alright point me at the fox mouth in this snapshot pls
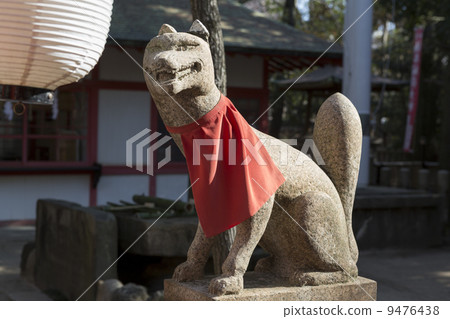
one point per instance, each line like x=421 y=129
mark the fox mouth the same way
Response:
x=167 y=75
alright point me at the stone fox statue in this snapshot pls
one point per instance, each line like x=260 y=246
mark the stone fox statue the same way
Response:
x=306 y=225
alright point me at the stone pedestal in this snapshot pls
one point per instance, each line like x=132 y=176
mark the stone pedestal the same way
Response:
x=263 y=287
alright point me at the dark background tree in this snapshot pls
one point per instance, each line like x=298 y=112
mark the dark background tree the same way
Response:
x=207 y=11
x=288 y=12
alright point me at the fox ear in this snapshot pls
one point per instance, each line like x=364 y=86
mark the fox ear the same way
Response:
x=197 y=28
x=166 y=28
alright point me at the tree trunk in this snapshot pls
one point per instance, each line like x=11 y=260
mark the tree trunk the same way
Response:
x=277 y=109
x=207 y=11
x=288 y=12
x=221 y=248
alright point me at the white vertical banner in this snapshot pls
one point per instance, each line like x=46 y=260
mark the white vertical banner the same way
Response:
x=414 y=89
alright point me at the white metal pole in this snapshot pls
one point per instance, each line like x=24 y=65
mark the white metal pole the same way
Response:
x=356 y=83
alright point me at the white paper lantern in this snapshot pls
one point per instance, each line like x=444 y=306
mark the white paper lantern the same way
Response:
x=49 y=43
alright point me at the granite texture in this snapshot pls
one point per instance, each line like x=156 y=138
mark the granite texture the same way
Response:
x=74 y=245
x=306 y=224
x=114 y=290
x=261 y=287
x=169 y=237
x=106 y=288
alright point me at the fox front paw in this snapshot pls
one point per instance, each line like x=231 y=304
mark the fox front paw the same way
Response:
x=188 y=271
x=226 y=285
x=303 y=279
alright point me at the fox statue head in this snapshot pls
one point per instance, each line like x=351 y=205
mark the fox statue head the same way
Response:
x=179 y=61
x=179 y=73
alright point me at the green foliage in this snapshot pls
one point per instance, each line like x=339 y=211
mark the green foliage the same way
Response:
x=326 y=19
x=276 y=9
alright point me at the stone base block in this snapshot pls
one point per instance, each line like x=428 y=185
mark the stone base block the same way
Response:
x=263 y=287
x=170 y=237
x=74 y=245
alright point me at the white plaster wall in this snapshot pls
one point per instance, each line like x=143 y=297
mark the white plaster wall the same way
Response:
x=116 y=65
x=19 y=194
x=121 y=187
x=121 y=115
x=245 y=71
x=171 y=186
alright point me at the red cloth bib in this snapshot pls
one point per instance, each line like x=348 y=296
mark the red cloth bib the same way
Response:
x=227 y=157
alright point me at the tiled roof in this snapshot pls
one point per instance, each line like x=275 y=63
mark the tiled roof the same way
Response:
x=244 y=30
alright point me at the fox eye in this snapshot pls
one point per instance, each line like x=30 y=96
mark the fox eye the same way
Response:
x=155 y=48
x=185 y=47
